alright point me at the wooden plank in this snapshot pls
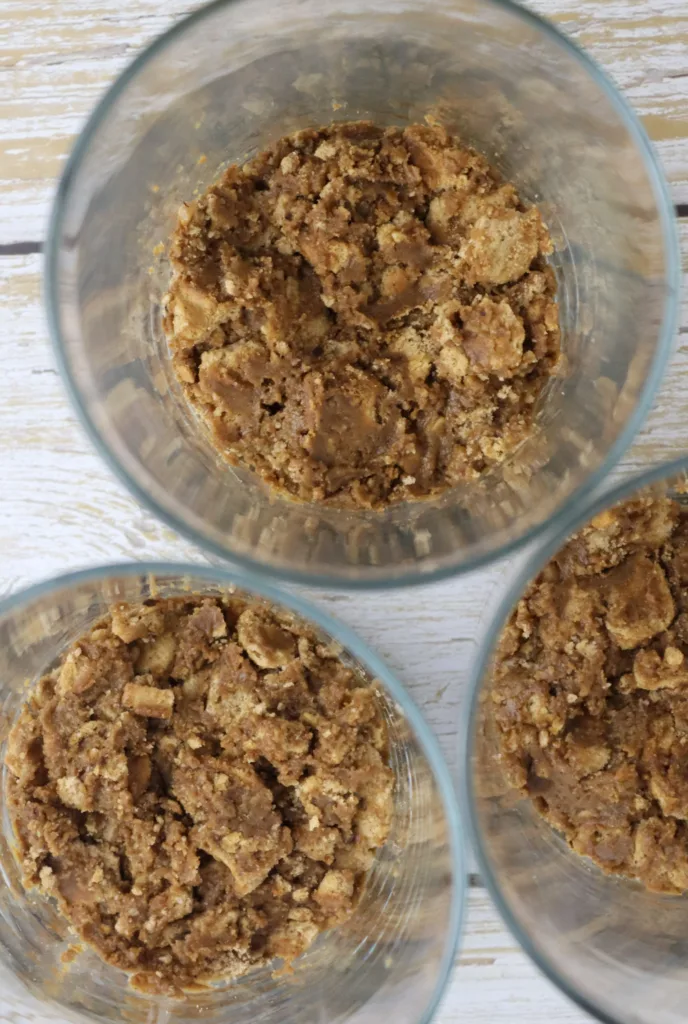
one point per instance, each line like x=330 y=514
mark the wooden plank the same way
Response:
x=665 y=433
x=56 y=59
x=643 y=46
x=495 y=983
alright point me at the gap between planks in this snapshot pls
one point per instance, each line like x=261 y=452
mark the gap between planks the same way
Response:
x=28 y=248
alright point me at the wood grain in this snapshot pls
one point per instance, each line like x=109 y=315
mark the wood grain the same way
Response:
x=57 y=58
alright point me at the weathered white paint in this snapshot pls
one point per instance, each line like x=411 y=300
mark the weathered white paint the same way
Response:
x=59 y=506
x=57 y=57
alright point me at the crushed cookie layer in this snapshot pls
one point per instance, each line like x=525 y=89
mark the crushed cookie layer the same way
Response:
x=201 y=785
x=362 y=315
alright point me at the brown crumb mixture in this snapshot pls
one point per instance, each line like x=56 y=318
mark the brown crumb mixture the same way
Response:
x=363 y=315
x=201 y=785
x=590 y=692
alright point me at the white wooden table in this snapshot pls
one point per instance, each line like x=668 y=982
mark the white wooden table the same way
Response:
x=59 y=506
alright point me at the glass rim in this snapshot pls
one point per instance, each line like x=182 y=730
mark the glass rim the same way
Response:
x=351 y=642
x=413 y=574
x=527 y=572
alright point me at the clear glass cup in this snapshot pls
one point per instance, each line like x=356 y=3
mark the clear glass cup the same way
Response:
x=237 y=75
x=391 y=959
x=616 y=949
